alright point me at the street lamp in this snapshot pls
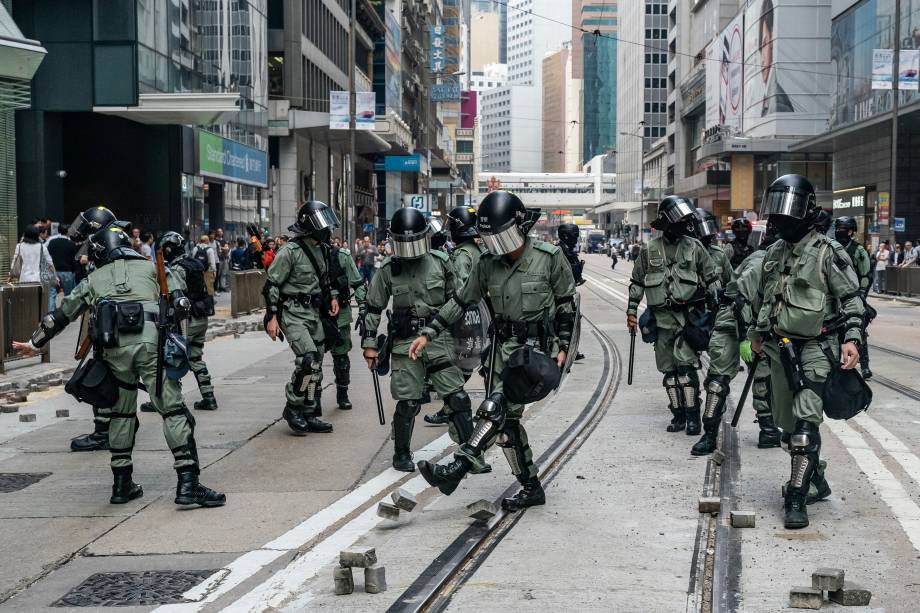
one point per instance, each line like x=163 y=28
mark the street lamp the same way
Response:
x=641 y=179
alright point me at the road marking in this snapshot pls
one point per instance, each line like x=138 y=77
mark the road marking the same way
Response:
x=605 y=288
x=892 y=444
x=250 y=563
x=889 y=488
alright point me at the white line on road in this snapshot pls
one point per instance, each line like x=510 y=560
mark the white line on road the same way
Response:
x=892 y=444
x=250 y=563
x=885 y=483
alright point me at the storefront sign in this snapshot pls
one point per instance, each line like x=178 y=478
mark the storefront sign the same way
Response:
x=437 y=49
x=900 y=225
x=847 y=199
x=445 y=92
x=223 y=158
x=402 y=163
x=421 y=202
x=883 y=200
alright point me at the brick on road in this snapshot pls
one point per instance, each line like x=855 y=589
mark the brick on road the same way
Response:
x=482 y=510
x=388 y=511
x=27 y=417
x=805 y=598
x=743 y=519
x=403 y=499
x=709 y=504
x=344 y=580
x=851 y=595
x=827 y=579
x=358 y=557
x=375 y=579
x=9 y=407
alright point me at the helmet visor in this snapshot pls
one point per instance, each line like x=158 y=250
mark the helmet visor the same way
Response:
x=414 y=247
x=707 y=227
x=321 y=219
x=678 y=211
x=508 y=240
x=790 y=202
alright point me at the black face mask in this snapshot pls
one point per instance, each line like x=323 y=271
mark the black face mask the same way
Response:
x=707 y=240
x=324 y=235
x=843 y=237
x=790 y=229
x=676 y=230
x=742 y=236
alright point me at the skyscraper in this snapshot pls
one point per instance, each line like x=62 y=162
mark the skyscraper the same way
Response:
x=594 y=60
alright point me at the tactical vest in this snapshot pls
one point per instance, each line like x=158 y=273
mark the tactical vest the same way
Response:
x=414 y=292
x=795 y=289
x=671 y=283
x=195 y=289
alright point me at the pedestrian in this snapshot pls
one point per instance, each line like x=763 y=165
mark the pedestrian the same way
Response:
x=222 y=248
x=146 y=240
x=812 y=325
x=239 y=259
x=897 y=256
x=634 y=251
x=64 y=256
x=124 y=279
x=296 y=301
x=910 y=255
x=881 y=263
x=32 y=263
x=419 y=280
x=366 y=259
x=738 y=249
x=205 y=254
x=534 y=317
x=679 y=282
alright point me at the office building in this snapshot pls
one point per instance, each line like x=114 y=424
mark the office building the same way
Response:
x=594 y=64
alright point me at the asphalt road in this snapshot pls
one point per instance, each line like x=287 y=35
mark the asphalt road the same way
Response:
x=620 y=531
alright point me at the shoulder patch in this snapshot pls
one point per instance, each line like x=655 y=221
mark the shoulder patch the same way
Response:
x=440 y=255
x=546 y=247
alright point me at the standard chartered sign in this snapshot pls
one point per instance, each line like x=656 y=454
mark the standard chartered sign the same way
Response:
x=223 y=158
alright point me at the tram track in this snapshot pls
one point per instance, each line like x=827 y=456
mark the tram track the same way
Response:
x=434 y=588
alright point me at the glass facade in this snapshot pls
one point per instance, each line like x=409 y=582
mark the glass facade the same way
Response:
x=600 y=98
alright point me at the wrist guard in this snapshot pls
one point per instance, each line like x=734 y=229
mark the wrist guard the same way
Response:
x=48 y=328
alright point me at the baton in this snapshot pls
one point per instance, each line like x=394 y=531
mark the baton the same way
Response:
x=744 y=392
x=632 y=354
x=380 y=414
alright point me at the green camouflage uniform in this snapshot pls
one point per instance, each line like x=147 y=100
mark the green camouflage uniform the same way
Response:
x=134 y=360
x=862 y=264
x=530 y=289
x=722 y=264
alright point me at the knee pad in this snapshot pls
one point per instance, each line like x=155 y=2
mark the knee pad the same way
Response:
x=805 y=438
x=459 y=402
x=408 y=409
x=672 y=386
x=689 y=383
x=491 y=419
x=717 y=388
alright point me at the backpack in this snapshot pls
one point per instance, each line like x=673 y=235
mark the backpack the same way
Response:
x=201 y=254
x=196 y=290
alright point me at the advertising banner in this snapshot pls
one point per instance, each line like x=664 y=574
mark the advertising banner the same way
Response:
x=338 y=111
x=402 y=163
x=223 y=158
x=882 y=67
x=392 y=56
x=725 y=64
x=365 y=115
x=908 y=69
x=883 y=208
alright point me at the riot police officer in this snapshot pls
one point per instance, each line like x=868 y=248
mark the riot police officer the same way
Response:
x=461 y=224
x=810 y=319
x=531 y=289
x=85 y=225
x=419 y=280
x=706 y=230
x=187 y=275
x=680 y=283
x=568 y=238
x=738 y=248
x=348 y=281
x=298 y=294
x=124 y=292
x=740 y=303
x=844 y=232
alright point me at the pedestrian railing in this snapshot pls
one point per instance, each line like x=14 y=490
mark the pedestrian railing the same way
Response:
x=246 y=291
x=21 y=308
x=902 y=281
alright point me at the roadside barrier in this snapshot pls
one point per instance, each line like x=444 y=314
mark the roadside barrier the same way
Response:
x=21 y=308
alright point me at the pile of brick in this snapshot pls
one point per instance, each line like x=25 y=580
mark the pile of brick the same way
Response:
x=830 y=580
x=375 y=577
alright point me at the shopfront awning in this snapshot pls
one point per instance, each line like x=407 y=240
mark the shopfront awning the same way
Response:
x=316 y=126
x=202 y=109
x=19 y=59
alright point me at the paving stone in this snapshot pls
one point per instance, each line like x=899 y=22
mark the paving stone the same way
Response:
x=236 y=335
x=827 y=579
x=482 y=510
x=27 y=417
x=39 y=387
x=743 y=519
x=6 y=386
x=388 y=511
x=19 y=397
x=62 y=413
x=375 y=579
x=710 y=504
x=805 y=598
x=851 y=595
x=403 y=499
x=344 y=580
x=55 y=381
x=9 y=407
x=718 y=457
x=358 y=557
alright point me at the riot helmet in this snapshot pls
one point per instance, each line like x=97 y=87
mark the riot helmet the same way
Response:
x=843 y=226
x=791 y=206
x=706 y=226
x=461 y=222
x=110 y=244
x=742 y=229
x=438 y=233
x=171 y=245
x=316 y=220
x=823 y=221
x=90 y=221
x=568 y=234
x=410 y=233
x=501 y=222
x=675 y=217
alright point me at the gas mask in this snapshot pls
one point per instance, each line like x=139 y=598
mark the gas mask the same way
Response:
x=842 y=237
x=790 y=229
x=678 y=229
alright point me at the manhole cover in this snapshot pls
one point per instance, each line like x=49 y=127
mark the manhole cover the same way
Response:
x=150 y=587
x=13 y=482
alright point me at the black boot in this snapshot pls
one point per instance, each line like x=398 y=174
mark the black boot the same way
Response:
x=148 y=407
x=866 y=373
x=403 y=424
x=693 y=422
x=296 y=420
x=317 y=425
x=341 y=397
x=531 y=495
x=820 y=489
x=709 y=440
x=207 y=403
x=769 y=434
x=190 y=491
x=678 y=422
x=437 y=419
x=124 y=489
x=445 y=477
x=97 y=440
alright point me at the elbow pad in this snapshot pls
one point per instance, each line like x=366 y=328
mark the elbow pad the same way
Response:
x=48 y=328
x=270 y=306
x=181 y=306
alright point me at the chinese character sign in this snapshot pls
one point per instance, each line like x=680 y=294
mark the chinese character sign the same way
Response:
x=437 y=49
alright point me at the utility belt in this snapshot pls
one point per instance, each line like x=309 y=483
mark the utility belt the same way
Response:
x=404 y=324
x=306 y=300
x=522 y=331
x=113 y=318
x=674 y=305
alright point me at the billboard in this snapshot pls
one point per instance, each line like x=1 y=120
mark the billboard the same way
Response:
x=725 y=77
x=787 y=72
x=393 y=56
x=222 y=158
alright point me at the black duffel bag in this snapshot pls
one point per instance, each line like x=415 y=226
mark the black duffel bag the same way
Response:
x=529 y=376
x=846 y=394
x=93 y=383
x=648 y=326
x=699 y=327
